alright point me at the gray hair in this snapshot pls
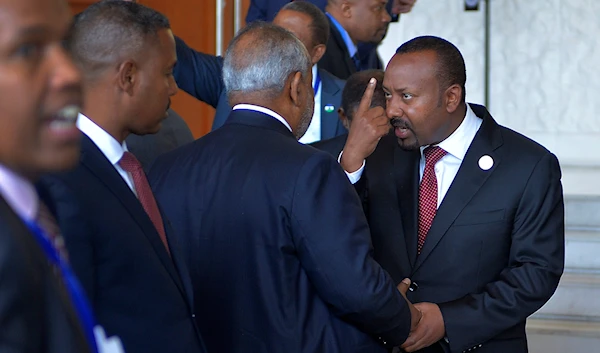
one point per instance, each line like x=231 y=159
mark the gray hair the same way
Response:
x=266 y=62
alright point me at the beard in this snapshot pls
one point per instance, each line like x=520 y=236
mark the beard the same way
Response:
x=410 y=142
x=305 y=120
x=407 y=145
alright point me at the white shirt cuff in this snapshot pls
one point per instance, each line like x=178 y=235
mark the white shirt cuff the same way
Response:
x=355 y=176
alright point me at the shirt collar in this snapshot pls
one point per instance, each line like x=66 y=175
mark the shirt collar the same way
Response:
x=109 y=146
x=19 y=193
x=352 y=48
x=263 y=110
x=459 y=141
x=314 y=75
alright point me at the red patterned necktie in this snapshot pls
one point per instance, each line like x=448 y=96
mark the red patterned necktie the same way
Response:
x=428 y=192
x=130 y=164
x=47 y=222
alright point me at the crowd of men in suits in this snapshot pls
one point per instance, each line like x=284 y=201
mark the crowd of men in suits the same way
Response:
x=413 y=223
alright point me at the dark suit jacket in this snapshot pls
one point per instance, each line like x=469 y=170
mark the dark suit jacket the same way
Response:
x=495 y=251
x=277 y=244
x=331 y=96
x=36 y=313
x=336 y=59
x=265 y=10
x=138 y=293
x=173 y=133
x=333 y=146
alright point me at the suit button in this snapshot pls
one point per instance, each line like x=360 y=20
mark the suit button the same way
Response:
x=413 y=286
x=479 y=346
x=194 y=316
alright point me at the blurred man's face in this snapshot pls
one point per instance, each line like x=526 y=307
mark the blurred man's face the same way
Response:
x=369 y=20
x=299 y=24
x=40 y=88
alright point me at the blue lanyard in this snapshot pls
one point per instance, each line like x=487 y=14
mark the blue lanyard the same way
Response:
x=78 y=297
x=317 y=82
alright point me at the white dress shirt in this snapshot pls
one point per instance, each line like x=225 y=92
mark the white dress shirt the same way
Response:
x=109 y=146
x=313 y=133
x=264 y=110
x=456 y=146
x=19 y=193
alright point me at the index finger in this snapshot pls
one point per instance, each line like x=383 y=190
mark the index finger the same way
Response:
x=365 y=101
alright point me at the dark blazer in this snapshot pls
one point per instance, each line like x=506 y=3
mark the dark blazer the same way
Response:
x=35 y=308
x=331 y=96
x=277 y=244
x=266 y=10
x=333 y=146
x=336 y=59
x=495 y=251
x=138 y=293
x=173 y=133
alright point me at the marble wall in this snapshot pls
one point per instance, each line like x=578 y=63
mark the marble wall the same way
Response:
x=545 y=65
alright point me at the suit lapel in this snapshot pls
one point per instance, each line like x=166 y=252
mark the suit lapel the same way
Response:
x=468 y=181
x=329 y=116
x=339 y=41
x=96 y=162
x=406 y=170
x=176 y=255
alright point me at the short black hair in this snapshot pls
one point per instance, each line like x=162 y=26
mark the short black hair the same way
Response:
x=108 y=30
x=355 y=88
x=451 y=65
x=319 y=24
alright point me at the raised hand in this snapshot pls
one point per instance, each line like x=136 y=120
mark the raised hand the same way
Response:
x=402 y=6
x=368 y=127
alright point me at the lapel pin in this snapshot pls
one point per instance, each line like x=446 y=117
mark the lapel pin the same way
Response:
x=486 y=162
x=329 y=108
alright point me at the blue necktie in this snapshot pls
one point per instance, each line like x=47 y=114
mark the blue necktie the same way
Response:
x=356 y=60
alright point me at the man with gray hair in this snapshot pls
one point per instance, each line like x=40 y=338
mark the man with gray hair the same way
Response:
x=277 y=242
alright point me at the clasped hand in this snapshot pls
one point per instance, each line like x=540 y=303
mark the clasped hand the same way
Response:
x=427 y=323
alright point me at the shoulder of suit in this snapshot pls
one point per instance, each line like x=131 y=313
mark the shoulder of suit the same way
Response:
x=521 y=143
x=327 y=76
x=513 y=142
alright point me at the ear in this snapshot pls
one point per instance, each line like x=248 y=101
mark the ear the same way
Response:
x=346 y=8
x=318 y=52
x=453 y=97
x=127 y=76
x=343 y=118
x=295 y=84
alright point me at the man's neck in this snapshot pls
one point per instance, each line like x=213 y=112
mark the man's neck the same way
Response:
x=341 y=20
x=107 y=122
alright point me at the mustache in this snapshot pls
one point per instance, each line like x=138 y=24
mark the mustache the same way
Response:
x=397 y=122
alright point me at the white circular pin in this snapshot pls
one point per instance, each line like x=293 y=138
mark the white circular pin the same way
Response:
x=486 y=162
